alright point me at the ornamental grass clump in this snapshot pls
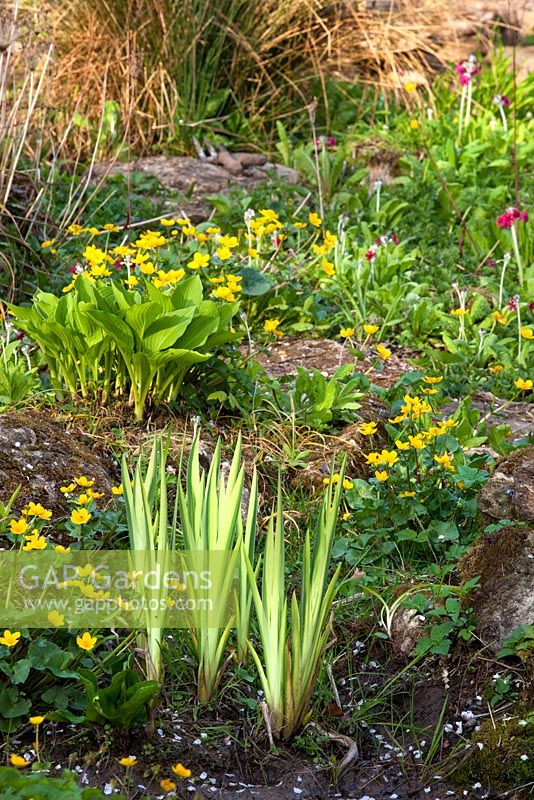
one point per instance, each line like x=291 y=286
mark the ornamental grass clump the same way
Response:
x=102 y=339
x=292 y=645
x=211 y=519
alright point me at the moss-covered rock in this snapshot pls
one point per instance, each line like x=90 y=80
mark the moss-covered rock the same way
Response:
x=503 y=754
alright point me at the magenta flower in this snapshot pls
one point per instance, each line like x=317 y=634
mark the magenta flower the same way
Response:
x=467 y=69
x=501 y=100
x=513 y=303
x=511 y=214
x=371 y=253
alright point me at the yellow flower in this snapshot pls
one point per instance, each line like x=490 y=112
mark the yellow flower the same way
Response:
x=367 y=428
x=181 y=771
x=84 y=481
x=86 y=641
x=83 y=499
x=48 y=243
x=199 y=260
x=224 y=253
x=346 y=333
x=36 y=720
x=147 y=268
x=417 y=441
x=299 y=225
x=410 y=87
x=128 y=761
x=445 y=461
x=383 y=352
x=224 y=293
x=167 y=222
x=459 y=312
x=80 y=516
x=36 y=510
x=74 y=229
x=10 y=638
x=55 y=618
x=271 y=326
x=117 y=489
x=111 y=227
x=212 y=231
x=328 y=267
x=414 y=124
x=430 y=391
x=18 y=761
x=315 y=219
x=373 y=459
x=66 y=489
x=252 y=252
x=167 y=785
x=347 y=484
x=429 y=379
x=400 y=445
x=345 y=516
x=94 y=495
x=34 y=541
x=334 y=479
x=527 y=333
x=381 y=475
x=228 y=241
x=389 y=457
x=60 y=549
x=370 y=329
x=407 y=494
x=397 y=419
x=523 y=384
x=150 y=239
x=500 y=318
x=496 y=369
x=18 y=526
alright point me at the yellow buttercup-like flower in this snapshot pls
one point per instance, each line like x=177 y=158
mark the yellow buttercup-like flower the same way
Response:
x=381 y=475
x=407 y=494
x=199 y=260
x=84 y=481
x=36 y=720
x=383 y=352
x=128 y=761
x=18 y=526
x=370 y=329
x=66 y=489
x=80 y=516
x=410 y=87
x=526 y=333
x=18 y=761
x=181 y=771
x=117 y=490
x=523 y=384
x=367 y=428
x=459 y=312
x=431 y=380
x=346 y=333
x=224 y=253
x=167 y=785
x=315 y=219
x=10 y=638
x=86 y=641
x=36 y=510
x=55 y=618
x=271 y=326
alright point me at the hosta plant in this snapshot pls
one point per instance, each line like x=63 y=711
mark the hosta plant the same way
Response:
x=103 y=338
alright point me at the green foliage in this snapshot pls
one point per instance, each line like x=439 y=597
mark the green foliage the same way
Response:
x=18 y=377
x=37 y=786
x=103 y=338
x=123 y=702
x=290 y=656
x=520 y=643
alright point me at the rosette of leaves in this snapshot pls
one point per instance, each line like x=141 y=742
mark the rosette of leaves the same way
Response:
x=102 y=339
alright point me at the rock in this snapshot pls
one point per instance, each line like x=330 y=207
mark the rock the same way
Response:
x=509 y=492
x=505 y=598
x=40 y=456
x=196 y=178
x=407 y=628
x=518 y=416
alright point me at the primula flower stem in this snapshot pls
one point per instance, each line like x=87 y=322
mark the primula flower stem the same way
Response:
x=461 y=112
x=515 y=244
x=469 y=101
x=505 y=262
x=519 y=337
x=503 y=117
